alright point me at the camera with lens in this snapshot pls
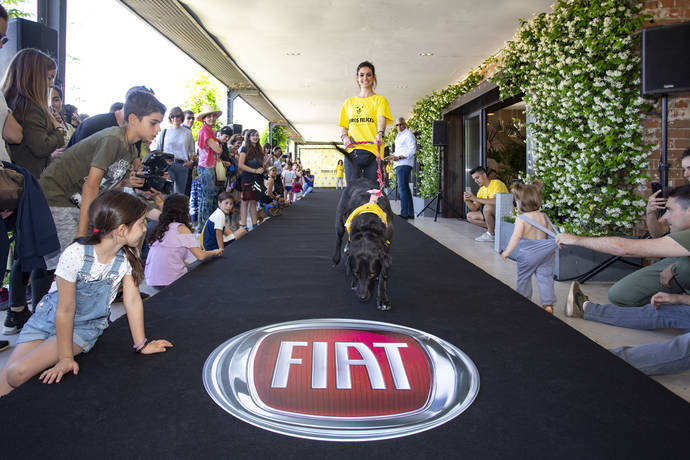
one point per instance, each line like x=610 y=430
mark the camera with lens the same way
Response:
x=155 y=165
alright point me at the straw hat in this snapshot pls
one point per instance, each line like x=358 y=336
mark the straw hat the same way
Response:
x=208 y=110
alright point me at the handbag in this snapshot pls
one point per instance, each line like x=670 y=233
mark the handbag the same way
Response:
x=220 y=171
x=259 y=189
x=11 y=188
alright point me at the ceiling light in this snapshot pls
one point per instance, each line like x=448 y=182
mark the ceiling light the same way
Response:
x=426 y=54
x=402 y=86
x=293 y=53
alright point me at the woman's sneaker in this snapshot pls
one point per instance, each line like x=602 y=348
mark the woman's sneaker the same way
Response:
x=485 y=237
x=15 y=320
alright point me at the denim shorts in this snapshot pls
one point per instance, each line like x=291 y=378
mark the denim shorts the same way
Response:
x=41 y=326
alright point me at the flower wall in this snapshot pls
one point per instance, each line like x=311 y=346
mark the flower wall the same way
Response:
x=579 y=68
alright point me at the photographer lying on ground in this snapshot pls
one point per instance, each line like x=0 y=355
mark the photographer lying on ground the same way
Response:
x=668 y=307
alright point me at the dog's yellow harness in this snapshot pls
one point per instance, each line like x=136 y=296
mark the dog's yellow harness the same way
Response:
x=367 y=208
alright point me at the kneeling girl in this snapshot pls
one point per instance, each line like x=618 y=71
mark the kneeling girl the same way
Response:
x=75 y=312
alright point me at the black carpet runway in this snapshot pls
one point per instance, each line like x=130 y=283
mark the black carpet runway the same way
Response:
x=546 y=390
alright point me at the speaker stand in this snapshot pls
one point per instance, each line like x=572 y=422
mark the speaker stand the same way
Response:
x=663 y=158
x=439 y=195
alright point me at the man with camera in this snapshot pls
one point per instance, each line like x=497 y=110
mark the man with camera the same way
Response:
x=667 y=302
x=637 y=288
x=100 y=162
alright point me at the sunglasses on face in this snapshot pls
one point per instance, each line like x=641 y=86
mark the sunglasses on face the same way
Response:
x=4 y=39
x=177 y=117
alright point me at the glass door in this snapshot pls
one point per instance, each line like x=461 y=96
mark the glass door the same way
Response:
x=472 y=149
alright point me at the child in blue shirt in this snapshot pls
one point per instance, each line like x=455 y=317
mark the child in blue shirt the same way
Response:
x=216 y=233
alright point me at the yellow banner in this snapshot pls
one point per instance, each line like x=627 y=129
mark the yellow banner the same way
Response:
x=321 y=160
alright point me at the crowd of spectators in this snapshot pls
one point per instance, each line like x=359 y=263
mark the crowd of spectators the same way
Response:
x=214 y=189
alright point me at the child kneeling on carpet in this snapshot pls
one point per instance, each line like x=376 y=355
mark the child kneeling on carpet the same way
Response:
x=535 y=236
x=75 y=312
x=172 y=243
x=216 y=233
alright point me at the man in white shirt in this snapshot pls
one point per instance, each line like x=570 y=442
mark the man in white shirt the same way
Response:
x=405 y=148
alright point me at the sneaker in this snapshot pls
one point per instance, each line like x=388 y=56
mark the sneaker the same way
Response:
x=485 y=237
x=14 y=322
x=574 y=304
x=4 y=345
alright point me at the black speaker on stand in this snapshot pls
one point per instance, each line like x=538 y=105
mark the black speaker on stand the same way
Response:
x=665 y=69
x=439 y=138
x=22 y=33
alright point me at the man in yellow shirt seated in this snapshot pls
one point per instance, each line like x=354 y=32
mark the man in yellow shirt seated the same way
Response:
x=483 y=205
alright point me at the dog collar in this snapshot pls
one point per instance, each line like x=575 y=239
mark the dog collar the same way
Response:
x=367 y=208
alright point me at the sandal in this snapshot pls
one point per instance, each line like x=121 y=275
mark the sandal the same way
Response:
x=548 y=309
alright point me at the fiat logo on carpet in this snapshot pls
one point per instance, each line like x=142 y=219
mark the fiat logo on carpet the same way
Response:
x=341 y=379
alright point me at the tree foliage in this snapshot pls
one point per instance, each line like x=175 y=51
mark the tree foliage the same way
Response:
x=202 y=93
x=280 y=138
x=15 y=8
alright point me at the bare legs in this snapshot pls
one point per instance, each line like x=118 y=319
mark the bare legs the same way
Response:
x=485 y=218
x=252 y=212
x=27 y=360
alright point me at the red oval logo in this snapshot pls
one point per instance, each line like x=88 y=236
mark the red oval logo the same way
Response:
x=341 y=379
x=341 y=373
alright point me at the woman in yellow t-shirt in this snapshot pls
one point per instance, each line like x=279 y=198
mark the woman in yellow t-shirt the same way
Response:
x=363 y=118
x=339 y=175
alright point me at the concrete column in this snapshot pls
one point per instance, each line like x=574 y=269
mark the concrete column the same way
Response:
x=53 y=13
x=232 y=95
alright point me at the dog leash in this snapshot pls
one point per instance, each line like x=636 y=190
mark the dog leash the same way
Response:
x=378 y=160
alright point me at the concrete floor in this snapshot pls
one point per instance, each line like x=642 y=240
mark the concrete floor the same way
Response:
x=458 y=236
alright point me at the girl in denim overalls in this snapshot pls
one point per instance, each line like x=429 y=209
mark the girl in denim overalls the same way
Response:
x=71 y=317
x=535 y=236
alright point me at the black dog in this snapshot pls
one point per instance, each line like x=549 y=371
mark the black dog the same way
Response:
x=367 y=253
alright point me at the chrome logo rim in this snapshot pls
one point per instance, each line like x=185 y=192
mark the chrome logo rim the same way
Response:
x=229 y=378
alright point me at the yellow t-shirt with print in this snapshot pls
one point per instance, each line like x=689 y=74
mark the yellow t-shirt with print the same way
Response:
x=360 y=114
x=495 y=186
x=340 y=171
